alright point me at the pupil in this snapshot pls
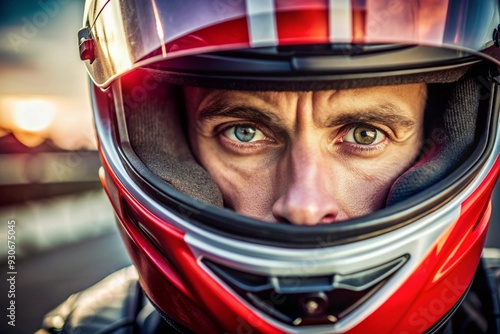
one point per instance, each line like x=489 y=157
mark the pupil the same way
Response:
x=244 y=133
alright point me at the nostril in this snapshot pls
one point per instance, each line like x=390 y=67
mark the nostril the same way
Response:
x=282 y=220
x=327 y=219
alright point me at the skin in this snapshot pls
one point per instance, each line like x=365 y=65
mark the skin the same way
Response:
x=306 y=158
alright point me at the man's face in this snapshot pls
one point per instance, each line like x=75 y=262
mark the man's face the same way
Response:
x=306 y=158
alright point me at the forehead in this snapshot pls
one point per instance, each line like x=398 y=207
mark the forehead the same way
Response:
x=406 y=99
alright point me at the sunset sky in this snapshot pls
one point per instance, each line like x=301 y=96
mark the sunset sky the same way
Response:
x=43 y=84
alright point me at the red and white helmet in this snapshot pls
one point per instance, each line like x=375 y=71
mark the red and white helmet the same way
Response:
x=402 y=269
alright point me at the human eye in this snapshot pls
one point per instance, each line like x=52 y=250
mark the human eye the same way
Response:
x=244 y=133
x=364 y=135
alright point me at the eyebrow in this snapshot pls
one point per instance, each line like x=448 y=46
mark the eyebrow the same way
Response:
x=386 y=113
x=225 y=109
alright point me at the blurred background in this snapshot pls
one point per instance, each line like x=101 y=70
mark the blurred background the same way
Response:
x=65 y=234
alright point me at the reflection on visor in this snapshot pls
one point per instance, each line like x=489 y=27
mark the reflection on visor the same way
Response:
x=125 y=33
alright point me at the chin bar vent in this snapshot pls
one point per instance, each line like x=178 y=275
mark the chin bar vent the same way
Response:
x=307 y=300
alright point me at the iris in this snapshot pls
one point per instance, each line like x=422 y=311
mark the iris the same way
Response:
x=244 y=133
x=365 y=135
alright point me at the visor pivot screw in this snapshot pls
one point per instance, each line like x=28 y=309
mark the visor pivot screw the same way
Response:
x=496 y=36
x=86 y=45
x=312 y=306
x=315 y=304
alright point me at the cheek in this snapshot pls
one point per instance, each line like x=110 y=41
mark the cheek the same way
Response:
x=246 y=183
x=362 y=192
x=367 y=183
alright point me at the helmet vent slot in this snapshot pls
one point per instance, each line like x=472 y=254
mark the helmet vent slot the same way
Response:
x=307 y=300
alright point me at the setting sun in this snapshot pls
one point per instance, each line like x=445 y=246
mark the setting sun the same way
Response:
x=33 y=115
x=36 y=118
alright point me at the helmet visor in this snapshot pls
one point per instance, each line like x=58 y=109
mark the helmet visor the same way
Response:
x=127 y=34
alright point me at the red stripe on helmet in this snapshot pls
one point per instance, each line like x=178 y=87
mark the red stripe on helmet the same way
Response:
x=227 y=34
x=301 y=22
x=358 y=21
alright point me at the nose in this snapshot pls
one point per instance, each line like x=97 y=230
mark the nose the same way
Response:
x=307 y=197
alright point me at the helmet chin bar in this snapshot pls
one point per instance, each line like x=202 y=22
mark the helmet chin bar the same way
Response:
x=311 y=300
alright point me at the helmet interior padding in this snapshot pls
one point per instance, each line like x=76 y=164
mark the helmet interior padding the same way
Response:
x=157 y=136
x=451 y=116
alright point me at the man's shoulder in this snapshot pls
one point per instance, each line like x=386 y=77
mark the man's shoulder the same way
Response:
x=107 y=304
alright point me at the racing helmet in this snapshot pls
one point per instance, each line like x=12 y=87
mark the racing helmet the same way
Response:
x=209 y=269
